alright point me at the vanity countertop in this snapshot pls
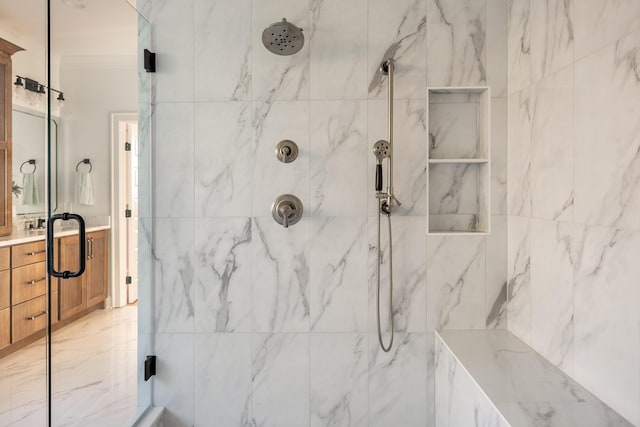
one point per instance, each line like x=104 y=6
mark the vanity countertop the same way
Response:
x=28 y=236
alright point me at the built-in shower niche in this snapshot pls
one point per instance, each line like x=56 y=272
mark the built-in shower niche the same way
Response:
x=459 y=164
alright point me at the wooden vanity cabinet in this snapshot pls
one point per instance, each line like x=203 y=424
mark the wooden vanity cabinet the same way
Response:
x=6 y=94
x=90 y=289
x=97 y=273
x=5 y=297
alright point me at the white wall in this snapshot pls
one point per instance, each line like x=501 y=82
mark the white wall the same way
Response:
x=94 y=87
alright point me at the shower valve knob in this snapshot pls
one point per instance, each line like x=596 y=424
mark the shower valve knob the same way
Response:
x=286 y=210
x=286 y=151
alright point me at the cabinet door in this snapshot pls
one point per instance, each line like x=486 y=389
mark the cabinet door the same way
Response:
x=97 y=267
x=72 y=292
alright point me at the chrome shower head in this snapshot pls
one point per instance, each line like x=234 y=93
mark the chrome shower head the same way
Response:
x=382 y=150
x=283 y=38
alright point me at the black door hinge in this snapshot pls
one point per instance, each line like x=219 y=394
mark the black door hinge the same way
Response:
x=127 y=280
x=127 y=146
x=127 y=213
x=149 y=61
x=149 y=367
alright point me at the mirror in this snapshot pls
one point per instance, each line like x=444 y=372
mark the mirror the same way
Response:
x=28 y=178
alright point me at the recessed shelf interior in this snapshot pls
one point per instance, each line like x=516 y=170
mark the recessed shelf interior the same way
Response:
x=458 y=160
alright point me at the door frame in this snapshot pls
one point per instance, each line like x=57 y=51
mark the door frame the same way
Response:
x=117 y=268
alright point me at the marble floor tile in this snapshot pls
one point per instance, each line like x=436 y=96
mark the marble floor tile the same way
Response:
x=93 y=374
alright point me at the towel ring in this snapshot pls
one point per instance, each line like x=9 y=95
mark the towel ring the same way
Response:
x=87 y=162
x=31 y=162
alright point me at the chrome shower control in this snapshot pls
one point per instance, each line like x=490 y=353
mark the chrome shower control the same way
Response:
x=287 y=210
x=286 y=151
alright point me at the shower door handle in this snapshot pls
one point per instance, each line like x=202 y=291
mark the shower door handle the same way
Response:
x=81 y=249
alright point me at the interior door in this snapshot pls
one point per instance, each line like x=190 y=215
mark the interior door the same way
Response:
x=132 y=205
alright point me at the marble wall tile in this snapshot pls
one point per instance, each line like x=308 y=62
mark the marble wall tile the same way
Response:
x=275 y=77
x=456 y=285
x=173 y=160
x=496 y=274
x=174 y=275
x=146 y=265
x=552 y=148
x=222 y=372
x=456 y=43
x=222 y=159
x=338 y=58
x=455 y=190
x=607 y=87
x=280 y=276
x=338 y=158
x=339 y=379
x=607 y=343
x=499 y=156
x=497 y=47
x=173 y=383
x=600 y=22
x=519 y=277
x=338 y=275
x=398 y=381
x=280 y=379
x=552 y=36
x=223 y=275
x=410 y=151
x=397 y=30
x=553 y=259
x=520 y=113
x=272 y=178
x=453 y=130
x=409 y=274
x=518 y=45
x=222 y=59
x=173 y=42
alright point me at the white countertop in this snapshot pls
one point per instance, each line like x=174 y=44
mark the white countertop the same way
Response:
x=28 y=236
x=523 y=386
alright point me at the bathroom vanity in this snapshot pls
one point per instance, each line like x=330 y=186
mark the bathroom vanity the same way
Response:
x=23 y=303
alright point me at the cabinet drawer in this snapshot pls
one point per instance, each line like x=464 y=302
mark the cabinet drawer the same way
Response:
x=28 y=253
x=5 y=327
x=5 y=288
x=28 y=282
x=5 y=258
x=28 y=318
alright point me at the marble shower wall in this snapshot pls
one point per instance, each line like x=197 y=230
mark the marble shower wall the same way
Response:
x=574 y=199
x=258 y=325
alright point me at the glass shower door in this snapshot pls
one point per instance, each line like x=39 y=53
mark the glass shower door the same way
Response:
x=94 y=364
x=23 y=286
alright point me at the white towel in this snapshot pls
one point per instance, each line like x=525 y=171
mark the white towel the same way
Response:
x=29 y=189
x=84 y=188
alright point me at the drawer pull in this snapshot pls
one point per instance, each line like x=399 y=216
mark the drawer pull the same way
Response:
x=35 y=316
x=36 y=253
x=33 y=282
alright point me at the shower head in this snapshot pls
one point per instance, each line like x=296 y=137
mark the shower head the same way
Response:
x=382 y=150
x=283 y=38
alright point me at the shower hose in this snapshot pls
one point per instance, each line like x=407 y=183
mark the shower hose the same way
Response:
x=378 y=262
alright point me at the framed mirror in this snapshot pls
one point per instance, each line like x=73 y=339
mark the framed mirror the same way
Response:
x=29 y=159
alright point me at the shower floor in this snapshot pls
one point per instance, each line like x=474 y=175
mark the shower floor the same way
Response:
x=94 y=374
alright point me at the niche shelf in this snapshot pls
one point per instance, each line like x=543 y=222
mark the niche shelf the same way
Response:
x=458 y=160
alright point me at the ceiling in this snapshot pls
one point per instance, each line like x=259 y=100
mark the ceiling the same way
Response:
x=103 y=27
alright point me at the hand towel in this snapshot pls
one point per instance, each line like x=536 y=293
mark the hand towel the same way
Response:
x=29 y=189
x=84 y=188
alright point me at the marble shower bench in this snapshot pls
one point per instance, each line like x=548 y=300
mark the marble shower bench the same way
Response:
x=492 y=379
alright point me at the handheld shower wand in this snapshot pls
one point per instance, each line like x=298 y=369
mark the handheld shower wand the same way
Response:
x=384 y=149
